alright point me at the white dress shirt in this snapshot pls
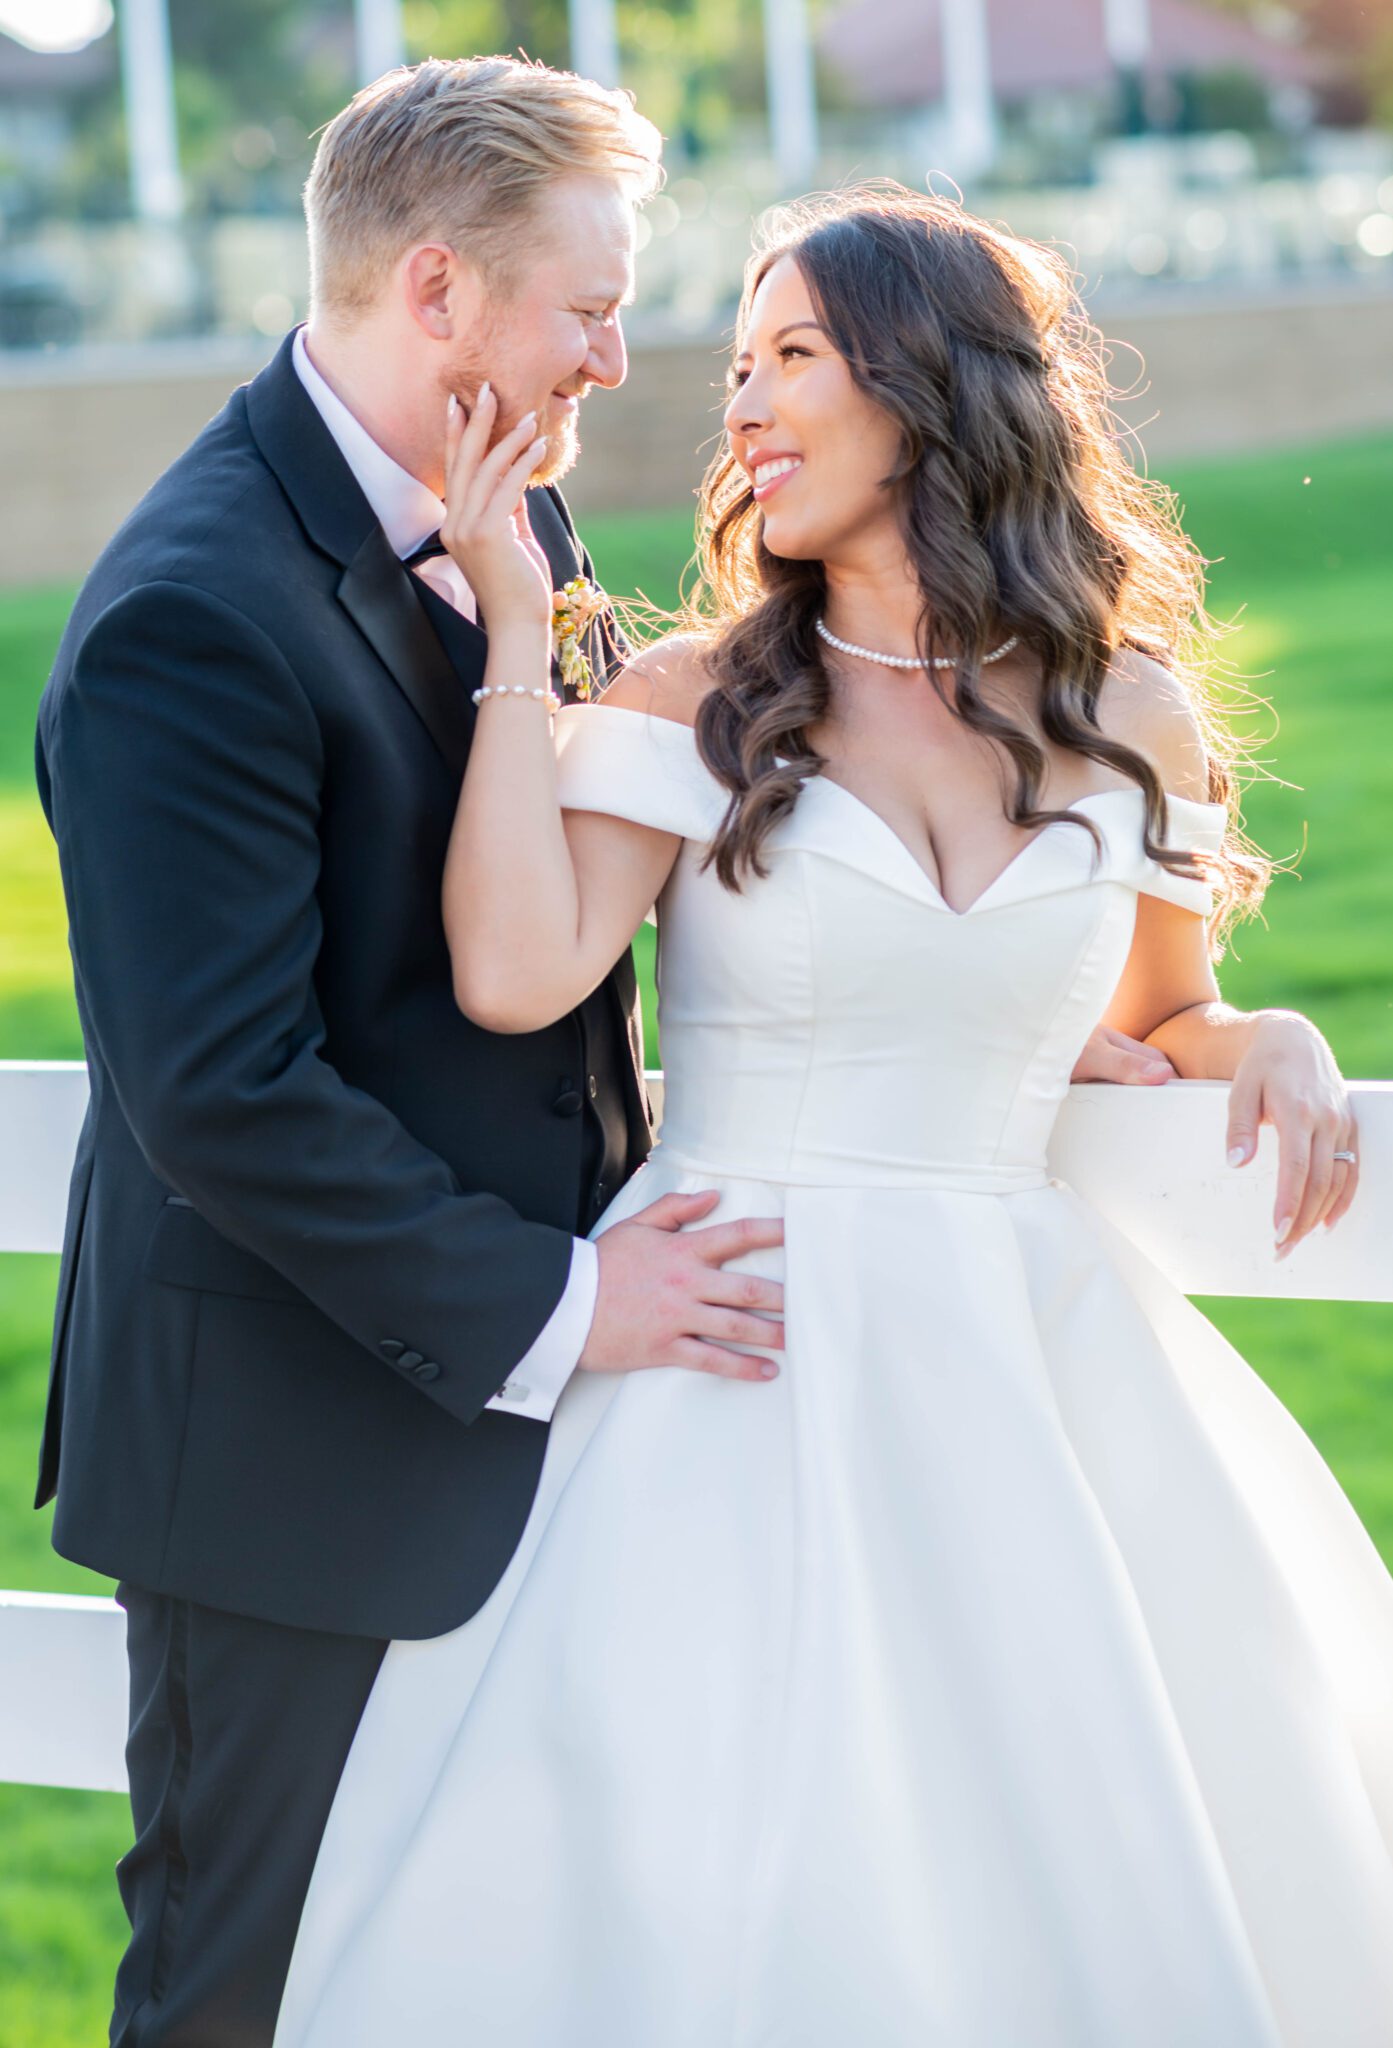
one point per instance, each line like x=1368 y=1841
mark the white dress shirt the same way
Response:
x=410 y=513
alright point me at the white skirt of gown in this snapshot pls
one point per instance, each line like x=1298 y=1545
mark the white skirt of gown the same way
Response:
x=1010 y=1672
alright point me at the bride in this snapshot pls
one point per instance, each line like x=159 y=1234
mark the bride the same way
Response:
x=1003 y=1668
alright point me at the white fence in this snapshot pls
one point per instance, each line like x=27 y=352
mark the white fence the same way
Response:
x=1152 y=1159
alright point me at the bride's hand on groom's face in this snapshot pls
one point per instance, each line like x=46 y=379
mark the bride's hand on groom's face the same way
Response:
x=666 y=1299
x=486 y=527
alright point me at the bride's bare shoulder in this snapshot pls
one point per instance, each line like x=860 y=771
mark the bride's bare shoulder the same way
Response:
x=1146 y=706
x=667 y=679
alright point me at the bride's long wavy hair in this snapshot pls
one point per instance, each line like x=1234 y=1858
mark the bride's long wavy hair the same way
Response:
x=1020 y=510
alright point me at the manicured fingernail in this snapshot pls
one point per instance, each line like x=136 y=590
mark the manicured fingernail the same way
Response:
x=769 y=1371
x=1283 y=1228
x=1237 y=1154
x=452 y=408
x=485 y=391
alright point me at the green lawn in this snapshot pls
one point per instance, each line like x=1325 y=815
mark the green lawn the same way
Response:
x=1304 y=536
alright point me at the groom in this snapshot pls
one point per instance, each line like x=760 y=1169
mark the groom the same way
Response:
x=325 y=1270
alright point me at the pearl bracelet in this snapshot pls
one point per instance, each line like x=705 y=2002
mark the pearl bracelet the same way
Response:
x=547 y=697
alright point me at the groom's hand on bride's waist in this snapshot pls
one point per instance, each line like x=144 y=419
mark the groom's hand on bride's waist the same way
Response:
x=665 y=1297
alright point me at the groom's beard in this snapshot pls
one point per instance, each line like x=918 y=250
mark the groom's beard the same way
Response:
x=560 y=454
x=562 y=451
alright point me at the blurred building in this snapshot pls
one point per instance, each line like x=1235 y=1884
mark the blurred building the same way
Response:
x=42 y=96
x=1220 y=223
x=890 y=53
x=43 y=102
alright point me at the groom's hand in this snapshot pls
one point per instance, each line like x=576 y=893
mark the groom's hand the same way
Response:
x=666 y=1299
x=1113 y=1056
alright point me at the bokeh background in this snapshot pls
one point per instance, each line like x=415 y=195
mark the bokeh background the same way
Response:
x=1221 y=172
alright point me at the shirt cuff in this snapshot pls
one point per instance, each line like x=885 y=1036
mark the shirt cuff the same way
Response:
x=533 y=1387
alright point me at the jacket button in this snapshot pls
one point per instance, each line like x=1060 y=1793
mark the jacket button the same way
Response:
x=568 y=1101
x=426 y=1370
x=410 y=1360
x=391 y=1347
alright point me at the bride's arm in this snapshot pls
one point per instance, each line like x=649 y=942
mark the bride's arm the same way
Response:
x=1283 y=1072
x=537 y=906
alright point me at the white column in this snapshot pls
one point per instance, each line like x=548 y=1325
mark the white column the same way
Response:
x=594 y=41
x=381 y=46
x=147 y=84
x=1127 y=31
x=792 y=91
x=969 y=109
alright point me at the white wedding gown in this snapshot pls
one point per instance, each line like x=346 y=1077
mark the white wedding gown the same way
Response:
x=1010 y=1672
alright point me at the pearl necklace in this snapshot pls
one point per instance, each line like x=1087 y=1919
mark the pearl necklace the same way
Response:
x=911 y=660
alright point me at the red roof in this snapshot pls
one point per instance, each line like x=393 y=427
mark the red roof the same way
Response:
x=889 y=51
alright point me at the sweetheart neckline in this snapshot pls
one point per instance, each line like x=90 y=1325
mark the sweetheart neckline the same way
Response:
x=880 y=824
x=877 y=822
x=883 y=824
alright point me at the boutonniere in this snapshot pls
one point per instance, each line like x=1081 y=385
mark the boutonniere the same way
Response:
x=574 y=611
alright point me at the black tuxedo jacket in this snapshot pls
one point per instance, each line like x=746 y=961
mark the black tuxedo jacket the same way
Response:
x=317 y=1216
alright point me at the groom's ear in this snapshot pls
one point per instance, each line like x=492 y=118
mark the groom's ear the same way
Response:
x=444 y=293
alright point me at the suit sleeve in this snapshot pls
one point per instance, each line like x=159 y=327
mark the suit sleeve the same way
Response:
x=185 y=765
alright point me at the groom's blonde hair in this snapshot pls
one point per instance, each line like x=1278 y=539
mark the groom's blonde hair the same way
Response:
x=459 y=152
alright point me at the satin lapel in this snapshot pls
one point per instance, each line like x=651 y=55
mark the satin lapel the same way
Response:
x=375 y=590
x=556 y=537
x=555 y=541
x=465 y=643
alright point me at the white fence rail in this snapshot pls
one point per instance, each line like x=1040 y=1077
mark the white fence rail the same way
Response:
x=63 y=1691
x=1152 y=1159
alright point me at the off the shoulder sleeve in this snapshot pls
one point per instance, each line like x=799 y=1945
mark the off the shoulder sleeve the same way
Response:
x=629 y=764
x=1191 y=828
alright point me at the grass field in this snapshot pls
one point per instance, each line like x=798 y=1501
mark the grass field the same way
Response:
x=1303 y=536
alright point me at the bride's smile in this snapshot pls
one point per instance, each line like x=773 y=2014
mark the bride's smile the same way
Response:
x=818 y=453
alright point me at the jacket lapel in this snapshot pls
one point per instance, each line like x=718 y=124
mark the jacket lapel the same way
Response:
x=374 y=589
x=433 y=654
x=555 y=540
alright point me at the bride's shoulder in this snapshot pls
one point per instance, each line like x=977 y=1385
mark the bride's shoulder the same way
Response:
x=667 y=679
x=645 y=767
x=1146 y=706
